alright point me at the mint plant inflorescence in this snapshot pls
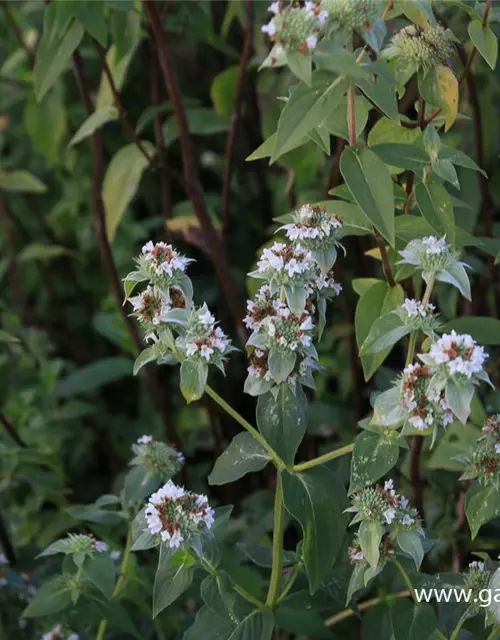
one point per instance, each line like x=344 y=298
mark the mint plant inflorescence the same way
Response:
x=286 y=311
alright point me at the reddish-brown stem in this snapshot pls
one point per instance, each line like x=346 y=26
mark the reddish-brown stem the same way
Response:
x=386 y=265
x=160 y=142
x=235 y=117
x=127 y=125
x=456 y=555
x=335 y=175
x=191 y=178
x=9 y=427
x=105 y=249
x=30 y=55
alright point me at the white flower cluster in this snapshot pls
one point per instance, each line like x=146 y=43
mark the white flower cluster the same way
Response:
x=158 y=457
x=383 y=505
x=284 y=262
x=300 y=281
x=313 y=223
x=150 y=305
x=177 y=515
x=457 y=353
x=162 y=259
x=58 y=633
x=436 y=258
x=296 y=28
x=424 y=405
x=318 y=231
x=415 y=308
x=203 y=339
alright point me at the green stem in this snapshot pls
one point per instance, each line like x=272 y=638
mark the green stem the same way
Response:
x=279 y=520
x=363 y=606
x=103 y=625
x=495 y=633
x=246 y=425
x=240 y=590
x=248 y=596
x=439 y=634
x=290 y=583
x=411 y=348
x=406 y=579
x=413 y=337
x=460 y=623
x=331 y=455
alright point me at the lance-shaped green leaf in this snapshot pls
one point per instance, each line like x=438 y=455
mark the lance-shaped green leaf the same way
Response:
x=331 y=57
x=370 y=537
x=121 y=182
x=382 y=93
x=257 y=625
x=51 y=597
x=95 y=121
x=482 y=504
x=412 y=621
x=375 y=300
x=147 y=355
x=405 y=156
x=435 y=205
x=142 y=538
x=281 y=364
x=456 y=275
x=485 y=41
x=54 y=53
x=244 y=455
x=483 y=330
x=411 y=543
x=388 y=411
x=307 y=108
x=300 y=64
x=445 y=170
x=372 y=457
x=317 y=499
x=139 y=483
x=370 y=183
x=21 y=182
x=172 y=578
x=459 y=398
x=100 y=570
x=282 y=420
x=384 y=333
x=193 y=380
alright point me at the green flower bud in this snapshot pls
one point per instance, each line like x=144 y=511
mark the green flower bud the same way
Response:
x=352 y=15
x=423 y=49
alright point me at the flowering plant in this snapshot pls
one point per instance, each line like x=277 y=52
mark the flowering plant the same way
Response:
x=367 y=348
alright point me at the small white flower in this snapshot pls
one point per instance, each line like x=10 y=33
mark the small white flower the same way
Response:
x=311 y=42
x=389 y=515
x=274 y=8
x=206 y=318
x=322 y=16
x=416 y=308
x=418 y=423
x=407 y=520
x=145 y=440
x=115 y=555
x=270 y=29
x=478 y=566
x=497 y=448
x=434 y=245
x=100 y=547
x=3 y=559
